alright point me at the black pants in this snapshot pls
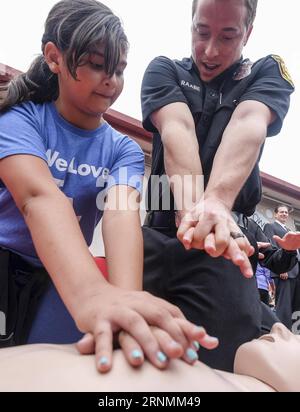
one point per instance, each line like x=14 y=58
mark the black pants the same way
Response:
x=21 y=287
x=287 y=300
x=269 y=318
x=264 y=296
x=211 y=293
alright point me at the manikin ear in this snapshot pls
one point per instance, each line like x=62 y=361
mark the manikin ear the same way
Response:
x=53 y=57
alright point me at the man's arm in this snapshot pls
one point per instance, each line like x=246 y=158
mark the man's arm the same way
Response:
x=176 y=126
x=238 y=151
x=275 y=259
x=235 y=159
x=284 y=259
x=291 y=241
x=279 y=260
x=181 y=151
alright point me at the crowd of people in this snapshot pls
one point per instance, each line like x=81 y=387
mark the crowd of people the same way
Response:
x=284 y=284
x=186 y=278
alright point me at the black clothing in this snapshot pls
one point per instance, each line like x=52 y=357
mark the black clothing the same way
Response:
x=264 y=296
x=211 y=293
x=269 y=318
x=287 y=296
x=287 y=300
x=21 y=287
x=212 y=105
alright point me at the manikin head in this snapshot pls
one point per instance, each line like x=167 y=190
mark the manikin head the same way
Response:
x=220 y=30
x=273 y=359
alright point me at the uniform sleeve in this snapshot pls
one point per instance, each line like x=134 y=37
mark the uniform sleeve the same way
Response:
x=20 y=133
x=273 y=87
x=129 y=166
x=279 y=260
x=160 y=87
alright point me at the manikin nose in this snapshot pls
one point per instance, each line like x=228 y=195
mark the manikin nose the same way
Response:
x=281 y=330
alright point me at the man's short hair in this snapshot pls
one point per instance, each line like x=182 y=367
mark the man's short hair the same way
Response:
x=276 y=210
x=251 y=6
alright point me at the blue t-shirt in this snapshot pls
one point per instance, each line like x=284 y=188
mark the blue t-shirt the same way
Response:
x=263 y=277
x=83 y=163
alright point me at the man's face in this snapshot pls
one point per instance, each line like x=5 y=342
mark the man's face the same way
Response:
x=282 y=215
x=219 y=34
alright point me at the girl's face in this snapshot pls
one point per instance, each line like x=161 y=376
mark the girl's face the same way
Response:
x=83 y=101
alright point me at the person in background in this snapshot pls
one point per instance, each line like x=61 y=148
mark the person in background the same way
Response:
x=265 y=283
x=290 y=241
x=287 y=283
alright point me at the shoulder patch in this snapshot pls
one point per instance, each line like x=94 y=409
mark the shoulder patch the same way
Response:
x=283 y=69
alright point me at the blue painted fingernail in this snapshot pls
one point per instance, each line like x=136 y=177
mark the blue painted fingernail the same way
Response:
x=197 y=345
x=136 y=354
x=103 y=361
x=191 y=354
x=161 y=357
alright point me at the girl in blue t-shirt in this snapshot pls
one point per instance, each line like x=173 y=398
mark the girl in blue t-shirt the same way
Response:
x=59 y=160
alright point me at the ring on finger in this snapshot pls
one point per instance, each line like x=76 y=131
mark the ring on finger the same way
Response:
x=237 y=235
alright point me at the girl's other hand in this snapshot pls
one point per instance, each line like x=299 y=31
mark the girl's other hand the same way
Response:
x=151 y=328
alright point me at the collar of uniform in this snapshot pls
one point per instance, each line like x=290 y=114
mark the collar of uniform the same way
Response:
x=186 y=63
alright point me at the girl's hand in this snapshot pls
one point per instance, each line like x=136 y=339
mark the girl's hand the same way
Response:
x=169 y=349
x=113 y=310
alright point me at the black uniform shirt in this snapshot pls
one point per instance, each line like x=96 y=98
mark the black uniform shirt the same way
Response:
x=212 y=104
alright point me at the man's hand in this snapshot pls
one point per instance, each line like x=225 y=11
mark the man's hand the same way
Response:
x=291 y=241
x=211 y=227
x=284 y=276
x=262 y=245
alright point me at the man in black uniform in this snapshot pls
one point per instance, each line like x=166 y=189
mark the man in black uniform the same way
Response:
x=210 y=115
